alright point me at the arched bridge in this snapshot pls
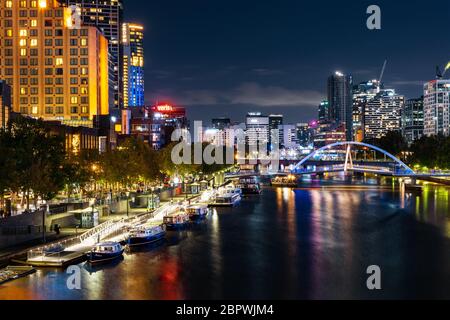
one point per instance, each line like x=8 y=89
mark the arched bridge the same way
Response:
x=393 y=167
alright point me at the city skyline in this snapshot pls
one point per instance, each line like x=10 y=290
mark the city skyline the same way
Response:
x=275 y=60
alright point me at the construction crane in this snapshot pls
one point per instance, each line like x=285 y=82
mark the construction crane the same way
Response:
x=381 y=76
x=447 y=67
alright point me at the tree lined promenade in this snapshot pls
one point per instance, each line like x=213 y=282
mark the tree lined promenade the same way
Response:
x=36 y=168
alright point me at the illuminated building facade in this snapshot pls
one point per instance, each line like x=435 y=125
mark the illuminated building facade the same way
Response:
x=383 y=114
x=56 y=72
x=412 y=119
x=257 y=129
x=5 y=103
x=340 y=102
x=133 y=65
x=154 y=125
x=107 y=16
x=437 y=108
x=362 y=94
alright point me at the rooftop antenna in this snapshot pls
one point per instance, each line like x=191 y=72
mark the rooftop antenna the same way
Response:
x=381 y=76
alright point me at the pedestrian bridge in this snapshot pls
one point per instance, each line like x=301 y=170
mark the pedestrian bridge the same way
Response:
x=390 y=166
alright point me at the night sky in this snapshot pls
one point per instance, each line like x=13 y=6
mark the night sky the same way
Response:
x=226 y=58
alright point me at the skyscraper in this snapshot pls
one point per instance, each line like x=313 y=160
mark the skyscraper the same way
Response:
x=383 y=114
x=257 y=130
x=412 y=119
x=276 y=123
x=107 y=15
x=340 y=102
x=362 y=94
x=56 y=72
x=133 y=65
x=437 y=108
x=324 y=112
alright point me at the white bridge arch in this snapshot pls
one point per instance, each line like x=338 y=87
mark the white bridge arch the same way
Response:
x=348 y=159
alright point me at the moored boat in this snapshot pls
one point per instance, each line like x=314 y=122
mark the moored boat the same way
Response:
x=226 y=200
x=249 y=185
x=176 y=220
x=145 y=234
x=197 y=212
x=289 y=181
x=105 y=252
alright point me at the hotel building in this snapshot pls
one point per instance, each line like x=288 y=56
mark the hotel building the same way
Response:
x=56 y=71
x=107 y=16
x=133 y=65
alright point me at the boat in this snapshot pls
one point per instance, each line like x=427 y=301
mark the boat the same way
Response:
x=197 y=212
x=145 y=234
x=11 y=273
x=249 y=185
x=176 y=220
x=232 y=189
x=226 y=198
x=105 y=252
x=289 y=181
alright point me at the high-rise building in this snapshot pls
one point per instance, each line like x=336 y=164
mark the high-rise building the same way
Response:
x=324 y=111
x=257 y=129
x=412 y=119
x=304 y=134
x=341 y=102
x=107 y=16
x=133 y=64
x=56 y=72
x=362 y=93
x=276 y=123
x=436 y=108
x=5 y=103
x=383 y=114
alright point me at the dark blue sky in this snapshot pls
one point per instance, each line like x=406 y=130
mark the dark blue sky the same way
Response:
x=225 y=58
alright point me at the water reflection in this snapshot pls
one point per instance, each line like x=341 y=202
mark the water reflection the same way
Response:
x=313 y=242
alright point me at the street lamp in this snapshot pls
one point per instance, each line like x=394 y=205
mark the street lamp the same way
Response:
x=128 y=202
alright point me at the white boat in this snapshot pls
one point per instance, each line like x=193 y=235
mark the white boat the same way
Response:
x=197 y=212
x=176 y=220
x=145 y=234
x=227 y=197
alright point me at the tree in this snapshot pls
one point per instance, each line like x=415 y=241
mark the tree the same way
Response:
x=37 y=155
x=393 y=142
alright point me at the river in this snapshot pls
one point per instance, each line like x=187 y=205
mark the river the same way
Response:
x=313 y=242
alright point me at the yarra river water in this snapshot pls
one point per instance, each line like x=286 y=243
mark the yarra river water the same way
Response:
x=314 y=242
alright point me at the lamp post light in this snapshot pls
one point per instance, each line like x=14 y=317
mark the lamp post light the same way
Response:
x=128 y=203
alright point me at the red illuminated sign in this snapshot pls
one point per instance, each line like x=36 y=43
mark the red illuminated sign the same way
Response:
x=164 y=108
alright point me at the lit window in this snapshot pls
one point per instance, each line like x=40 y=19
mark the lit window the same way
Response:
x=74 y=100
x=9 y=33
x=23 y=32
x=9 y=4
x=23 y=42
x=33 y=42
x=34 y=110
x=34 y=23
x=83 y=42
x=34 y=4
x=59 y=61
x=23 y=52
x=43 y=3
